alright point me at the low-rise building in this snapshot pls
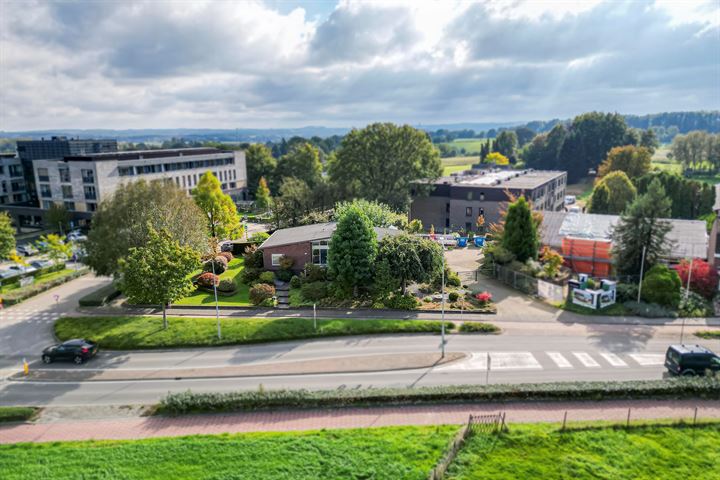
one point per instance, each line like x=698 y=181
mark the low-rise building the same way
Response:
x=455 y=202
x=305 y=244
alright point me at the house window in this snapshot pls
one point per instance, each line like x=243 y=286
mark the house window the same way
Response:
x=469 y=195
x=90 y=193
x=64 y=174
x=67 y=191
x=468 y=211
x=91 y=207
x=43 y=175
x=320 y=252
x=45 y=190
x=88 y=176
x=276 y=259
x=69 y=206
x=482 y=196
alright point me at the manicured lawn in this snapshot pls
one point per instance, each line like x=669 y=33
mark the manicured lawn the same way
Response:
x=39 y=280
x=239 y=298
x=543 y=452
x=16 y=414
x=392 y=453
x=136 y=332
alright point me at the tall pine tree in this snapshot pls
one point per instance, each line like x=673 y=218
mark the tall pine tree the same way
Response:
x=520 y=234
x=352 y=252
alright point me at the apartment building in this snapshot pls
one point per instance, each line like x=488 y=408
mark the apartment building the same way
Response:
x=455 y=202
x=12 y=181
x=79 y=182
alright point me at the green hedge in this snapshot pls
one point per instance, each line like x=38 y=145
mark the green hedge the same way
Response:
x=709 y=334
x=478 y=327
x=187 y=402
x=17 y=414
x=100 y=297
x=16 y=296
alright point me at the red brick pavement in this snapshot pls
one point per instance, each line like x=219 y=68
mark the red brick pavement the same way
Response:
x=147 y=427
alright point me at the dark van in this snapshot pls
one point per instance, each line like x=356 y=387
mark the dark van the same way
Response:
x=691 y=360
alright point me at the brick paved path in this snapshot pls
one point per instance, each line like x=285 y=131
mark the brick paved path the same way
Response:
x=134 y=428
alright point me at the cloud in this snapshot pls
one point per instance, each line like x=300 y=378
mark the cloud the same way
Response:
x=145 y=64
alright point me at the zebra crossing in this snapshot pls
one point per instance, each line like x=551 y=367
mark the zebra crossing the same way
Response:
x=40 y=314
x=550 y=360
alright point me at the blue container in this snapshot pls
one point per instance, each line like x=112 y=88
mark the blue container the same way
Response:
x=479 y=241
x=462 y=241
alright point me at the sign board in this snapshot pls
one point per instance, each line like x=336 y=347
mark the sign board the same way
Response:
x=583 y=298
x=25 y=281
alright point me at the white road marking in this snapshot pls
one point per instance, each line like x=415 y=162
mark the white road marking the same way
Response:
x=614 y=360
x=513 y=361
x=559 y=359
x=648 y=359
x=586 y=360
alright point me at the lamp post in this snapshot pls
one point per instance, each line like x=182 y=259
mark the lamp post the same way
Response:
x=642 y=267
x=211 y=255
x=442 y=310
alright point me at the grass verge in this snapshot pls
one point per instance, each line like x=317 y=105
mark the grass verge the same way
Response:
x=189 y=402
x=140 y=332
x=375 y=453
x=17 y=414
x=708 y=334
x=617 y=309
x=241 y=297
x=593 y=452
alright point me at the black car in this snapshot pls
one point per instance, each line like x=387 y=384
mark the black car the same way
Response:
x=691 y=360
x=76 y=350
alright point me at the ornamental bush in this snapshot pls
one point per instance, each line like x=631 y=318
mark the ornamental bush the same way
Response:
x=703 y=280
x=661 y=285
x=219 y=264
x=261 y=292
x=295 y=282
x=314 y=291
x=483 y=297
x=207 y=280
x=286 y=263
x=253 y=257
x=478 y=327
x=249 y=275
x=226 y=286
x=401 y=302
x=453 y=296
x=626 y=292
x=284 y=275
x=227 y=256
x=267 y=277
x=314 y=273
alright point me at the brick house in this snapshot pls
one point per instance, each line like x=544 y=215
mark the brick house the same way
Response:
x=306 y=244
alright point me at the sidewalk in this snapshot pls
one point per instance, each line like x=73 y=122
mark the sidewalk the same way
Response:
x=148 y=427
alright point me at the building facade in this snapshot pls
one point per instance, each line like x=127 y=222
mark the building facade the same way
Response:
x=79 y=182
x=13 y=189
x=454 y=203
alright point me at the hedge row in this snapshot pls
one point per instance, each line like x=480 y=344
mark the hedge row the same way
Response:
x=478 y=327
x=17 y=414
x=16 y=296
x=100 y=297
x=189 y=402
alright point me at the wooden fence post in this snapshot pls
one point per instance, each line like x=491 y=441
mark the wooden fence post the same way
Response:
x=564 y=420
x=628 y=419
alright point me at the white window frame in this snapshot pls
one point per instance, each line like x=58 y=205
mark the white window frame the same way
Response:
x=275 y=259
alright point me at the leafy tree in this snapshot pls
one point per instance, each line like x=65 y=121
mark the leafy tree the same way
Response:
x=649 y=140
x=158 y=273
x=262 y=196
x=386 y=283
x=524 y=135
x=121 y=222
x=661 y=285
x=642 y=226
x=381 y=161
x=295 y=202
x=379 y=214
x=552 y=261
x=621 y=192
x=352 y=252
x=260 y=164
x=634 y=161
x=544 y=150
x=703 y=279
x=58 y=217
x=57 y=248
x=692 y=149
x=219 y=208
x=414 y=226
x=301 y=162
x=7 y=235
x=689 y=198
x=506 y=143
x=599 y=200
x=411 y=259
x=520 y=233
x=497 y=159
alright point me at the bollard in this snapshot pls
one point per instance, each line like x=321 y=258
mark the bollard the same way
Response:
x=26 y=368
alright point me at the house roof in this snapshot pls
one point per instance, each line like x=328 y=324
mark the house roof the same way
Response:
x=688 y=238
x=309 y=233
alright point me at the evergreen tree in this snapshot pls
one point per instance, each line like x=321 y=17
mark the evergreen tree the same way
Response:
x=599 y=201
x=7 y=235
x=621 y=192
x=642 y=226
x=260 y=163
x=262 y=196
x=220 y=209
x=352 y=252
x=520 y=233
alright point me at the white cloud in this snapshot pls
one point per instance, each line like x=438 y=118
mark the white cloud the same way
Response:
x=225 y=64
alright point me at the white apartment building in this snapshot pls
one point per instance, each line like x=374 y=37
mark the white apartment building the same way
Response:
x=81 y=181
x=12 y=182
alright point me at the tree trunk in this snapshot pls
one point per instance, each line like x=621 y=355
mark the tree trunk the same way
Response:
x=165 y=322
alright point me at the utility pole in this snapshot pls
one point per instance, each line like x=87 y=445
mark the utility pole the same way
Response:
x=687 y=289
x=642 y=267
x=442 y=315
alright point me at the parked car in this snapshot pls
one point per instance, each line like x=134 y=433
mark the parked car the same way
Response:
x=23 y=268
x=41 y=264
x=691 y=360
x=9 y=273
x=26 y=250
x=77 y=350
x=569 y=199
x=76 y=237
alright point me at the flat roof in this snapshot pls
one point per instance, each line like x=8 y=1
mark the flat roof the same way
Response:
x=145 y=154
x=309 y=233
x=496 y=178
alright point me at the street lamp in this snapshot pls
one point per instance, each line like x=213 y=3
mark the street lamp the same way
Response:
x=442 y=314
x=211 y=256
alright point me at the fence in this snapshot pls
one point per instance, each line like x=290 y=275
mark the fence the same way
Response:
x=476 y=424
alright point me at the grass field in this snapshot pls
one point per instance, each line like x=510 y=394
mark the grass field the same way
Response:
x=239 y=298
x=393 y=453
x=543 y=452
x=660 y=161
x=39 y=280
x=471 y=145
x=458 y=164
x=137 y=332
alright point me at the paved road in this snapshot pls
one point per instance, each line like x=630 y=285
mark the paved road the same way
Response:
x=513 y=359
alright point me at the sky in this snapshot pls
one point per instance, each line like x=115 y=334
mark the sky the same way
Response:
x=274 y=63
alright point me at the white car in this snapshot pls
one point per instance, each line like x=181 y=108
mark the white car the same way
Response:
x=76 y=237
x=569 y=199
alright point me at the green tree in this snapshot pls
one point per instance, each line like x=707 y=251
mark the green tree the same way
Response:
x=121 y=222
x=649 y=140
x=352 y=252
x=497 y=158
x=599 y=200
x=381 y=161
x=690 y=198
x=159 y=272
x=262 y=196
x=520 y=234
x=57 y=248
x=386 y=283
x=506 y=143
x=642 y=226
x=301 y=162
x=57 y=217
x=260 y=163
x=661 y=285
x=634 y=161
x=379 y=214
x=410 y=258
x=621 y=192
x=219 y=208
x=7 y=235
x=294 y=203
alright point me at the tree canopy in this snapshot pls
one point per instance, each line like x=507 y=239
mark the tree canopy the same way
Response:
x=379 y=214
x=121 y=222
x=380 y=162
x=620 y=192
x=352 y=252
x=262 y=195
x=689 y=198
x=220 y=210
x=634 y=161
x=260 y=163
x=7 y=235
x=302 y=162
x=520 y=234
x=497 y=158
x=410 y=258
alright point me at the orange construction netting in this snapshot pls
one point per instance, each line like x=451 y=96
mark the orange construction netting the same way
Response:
x=587 y=256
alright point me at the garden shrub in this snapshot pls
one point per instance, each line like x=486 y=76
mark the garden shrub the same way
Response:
x=259 y=237
x=267 y=277
x=227 y=256
x=250 y=275
x=483 y=297
x=314 y=273
x=207 y=280
x=284 y=275
x=295 y=282
x=649 y=310
x=453 y=296
x=314 y=291
x=425 y=288
x=704 y=277
x=626 y=292
x=253 y=257
x=694 y=305
x=226 y=286
x=261 y=292
x=286 y=263
x=428 y=299
x=219 y=264
x=401 y=302
x=661 y=285
x=478 y=327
